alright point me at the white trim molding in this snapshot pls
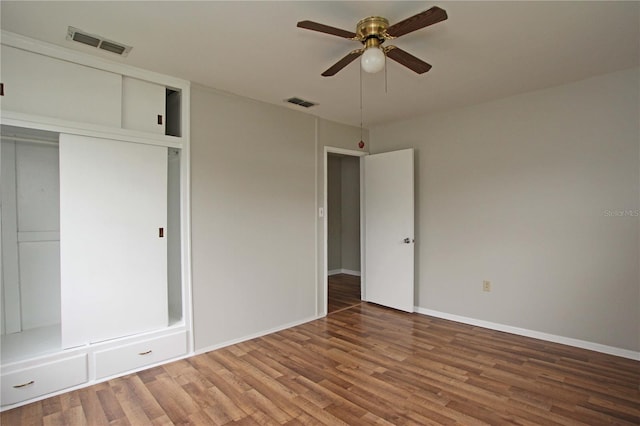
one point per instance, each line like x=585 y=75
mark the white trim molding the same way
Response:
x=624 y=353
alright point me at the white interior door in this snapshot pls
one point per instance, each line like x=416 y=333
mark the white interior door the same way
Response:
x=389 y=229
x=113 y=200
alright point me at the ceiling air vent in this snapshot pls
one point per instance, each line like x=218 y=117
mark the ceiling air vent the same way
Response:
x=301 y=102
x=97 y=41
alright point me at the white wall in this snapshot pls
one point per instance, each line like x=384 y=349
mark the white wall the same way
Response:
x=525 y=192
x=334 y=213
x=343 y=213
x=257 y=181
x=350 y=215
x=253 y=217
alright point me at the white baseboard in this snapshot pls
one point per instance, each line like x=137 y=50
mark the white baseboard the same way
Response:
x=624 y=353
x=343 y=271
x=254 y=335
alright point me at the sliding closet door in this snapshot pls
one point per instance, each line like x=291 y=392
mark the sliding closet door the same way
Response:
x=113 y=202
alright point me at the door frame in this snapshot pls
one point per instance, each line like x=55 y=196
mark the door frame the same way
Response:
x=325 y=263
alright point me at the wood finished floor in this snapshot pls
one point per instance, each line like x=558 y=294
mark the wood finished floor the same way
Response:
x=344 y=292
x=364 y=365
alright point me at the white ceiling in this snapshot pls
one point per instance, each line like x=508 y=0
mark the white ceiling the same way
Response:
x=484 y=51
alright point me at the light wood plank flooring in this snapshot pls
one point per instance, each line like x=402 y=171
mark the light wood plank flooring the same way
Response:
x=364 y=365
x=344 y=292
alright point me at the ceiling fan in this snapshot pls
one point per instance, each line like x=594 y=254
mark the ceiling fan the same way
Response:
x=372 y=32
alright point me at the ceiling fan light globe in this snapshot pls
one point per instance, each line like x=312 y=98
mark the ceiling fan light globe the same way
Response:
x=372 y=60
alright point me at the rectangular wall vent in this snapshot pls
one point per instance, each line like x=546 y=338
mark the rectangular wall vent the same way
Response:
x=301 y=102
x=97 y=41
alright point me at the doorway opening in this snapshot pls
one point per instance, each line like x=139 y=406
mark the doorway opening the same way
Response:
x=343 y=225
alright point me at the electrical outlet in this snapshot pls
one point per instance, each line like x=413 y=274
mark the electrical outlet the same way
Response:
x=486 y=285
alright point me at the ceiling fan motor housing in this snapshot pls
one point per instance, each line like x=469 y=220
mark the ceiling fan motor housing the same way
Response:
x=372 y=28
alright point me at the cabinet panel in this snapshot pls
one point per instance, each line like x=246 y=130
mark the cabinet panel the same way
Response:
x=30 y=234
x=113 y=201
x=39 y=283
x=35 y=381
x=41 y=85
x=143 y=106
x=10 y=288
x=124 y=358
x=37 y=186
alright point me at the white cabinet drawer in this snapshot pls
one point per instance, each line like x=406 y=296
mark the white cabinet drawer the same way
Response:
x=129 y=357
x=42 y=85
x=35 y=381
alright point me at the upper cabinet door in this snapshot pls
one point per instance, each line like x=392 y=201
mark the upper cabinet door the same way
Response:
x=143 y=106
x=113 y=253
x=41 y=85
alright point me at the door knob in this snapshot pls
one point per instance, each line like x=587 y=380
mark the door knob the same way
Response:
x=407 y=241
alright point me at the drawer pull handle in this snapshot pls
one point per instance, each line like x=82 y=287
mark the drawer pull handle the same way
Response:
x=24 y=385
x=145 y=353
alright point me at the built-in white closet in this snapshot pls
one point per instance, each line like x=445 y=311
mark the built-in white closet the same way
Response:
x=119 y=206
x=94 y=219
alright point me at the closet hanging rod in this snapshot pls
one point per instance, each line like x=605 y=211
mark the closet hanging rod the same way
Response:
x=30 y=140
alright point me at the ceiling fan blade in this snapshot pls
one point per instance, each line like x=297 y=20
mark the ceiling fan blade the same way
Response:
x=421 y=20
x=314 y=26
x=407 y=59
x=342 y=63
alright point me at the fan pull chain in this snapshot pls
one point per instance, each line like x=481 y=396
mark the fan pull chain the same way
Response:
x=361 y=140
x=385 y=74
